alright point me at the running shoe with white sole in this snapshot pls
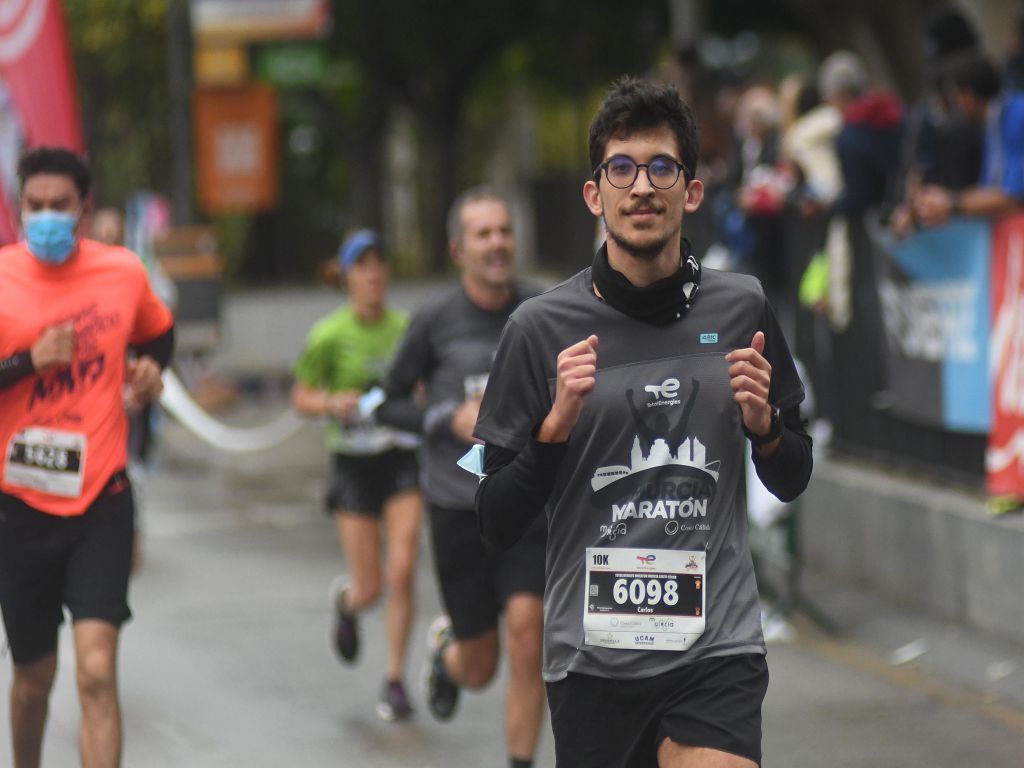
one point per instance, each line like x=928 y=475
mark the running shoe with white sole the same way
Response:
x=346 y=626
x=440 y=691
x=393 y=703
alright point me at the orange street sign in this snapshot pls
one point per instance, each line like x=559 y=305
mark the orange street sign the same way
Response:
x=236 y=148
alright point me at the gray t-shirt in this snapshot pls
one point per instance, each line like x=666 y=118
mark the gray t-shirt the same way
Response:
x=655 y=463
x=449 y=346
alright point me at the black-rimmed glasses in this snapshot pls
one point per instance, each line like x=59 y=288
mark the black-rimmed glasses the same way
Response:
x=621 y=171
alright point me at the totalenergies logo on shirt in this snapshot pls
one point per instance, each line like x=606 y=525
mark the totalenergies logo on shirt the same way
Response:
x=647 y=560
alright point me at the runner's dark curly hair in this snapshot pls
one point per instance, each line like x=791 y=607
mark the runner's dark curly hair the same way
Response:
x=58 y=161
x=633 y=105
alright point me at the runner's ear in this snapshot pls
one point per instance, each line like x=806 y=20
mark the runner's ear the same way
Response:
x=453 y=251
x=592 y=197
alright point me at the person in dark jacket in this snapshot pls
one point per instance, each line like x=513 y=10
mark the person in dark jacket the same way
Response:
x=868 y=144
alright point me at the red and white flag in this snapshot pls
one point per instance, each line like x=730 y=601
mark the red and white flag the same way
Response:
x=1005 y=456
x=37 y=72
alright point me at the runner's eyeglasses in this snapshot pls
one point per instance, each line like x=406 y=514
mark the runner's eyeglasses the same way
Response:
x=622 y=171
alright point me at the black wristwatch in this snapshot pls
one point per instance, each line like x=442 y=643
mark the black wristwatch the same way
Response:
x=774 y=430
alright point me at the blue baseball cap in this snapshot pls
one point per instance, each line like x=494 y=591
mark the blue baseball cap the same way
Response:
x=355 y=245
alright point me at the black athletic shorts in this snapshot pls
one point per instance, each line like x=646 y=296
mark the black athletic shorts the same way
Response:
x=361 y=484
x=48 y=562
x=476 y=582
x=603 y=723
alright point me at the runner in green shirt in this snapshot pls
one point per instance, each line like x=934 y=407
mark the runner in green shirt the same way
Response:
x=373 y=486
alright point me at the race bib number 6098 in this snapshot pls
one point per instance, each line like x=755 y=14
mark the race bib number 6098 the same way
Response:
x=637 y=598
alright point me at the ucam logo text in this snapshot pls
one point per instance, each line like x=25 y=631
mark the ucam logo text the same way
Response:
x=667 y=509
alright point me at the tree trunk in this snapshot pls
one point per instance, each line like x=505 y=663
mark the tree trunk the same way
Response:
x=438 y=180
x=367 y=160
x=179 y=73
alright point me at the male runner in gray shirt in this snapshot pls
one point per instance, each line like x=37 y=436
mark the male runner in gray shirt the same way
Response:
x=623 y=400
x=449 y=348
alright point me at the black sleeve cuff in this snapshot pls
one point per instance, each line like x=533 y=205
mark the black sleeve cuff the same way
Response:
x=402 y=413
x=161 y=349
x=787 y=471
x=511 y=496
x=15 y=368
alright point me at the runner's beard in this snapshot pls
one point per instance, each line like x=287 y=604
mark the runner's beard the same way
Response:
x=647 y=252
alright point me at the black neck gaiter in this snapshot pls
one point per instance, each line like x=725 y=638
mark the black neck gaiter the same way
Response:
x=661 y=302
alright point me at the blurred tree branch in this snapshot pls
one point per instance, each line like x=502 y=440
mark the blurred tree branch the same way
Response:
x=120 y=57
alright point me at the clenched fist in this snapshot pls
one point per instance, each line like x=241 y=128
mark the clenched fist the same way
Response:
x=143 y=382
x=55 y=348
x=750 y=376
x=576 y=377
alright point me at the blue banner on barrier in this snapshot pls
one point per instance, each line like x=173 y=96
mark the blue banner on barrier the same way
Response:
x=936 y=307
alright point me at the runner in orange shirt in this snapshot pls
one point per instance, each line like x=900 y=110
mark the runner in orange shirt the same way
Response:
x=82 y=337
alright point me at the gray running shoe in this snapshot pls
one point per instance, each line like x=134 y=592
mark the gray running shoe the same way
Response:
x=440 y=691
x=393 y=703
x=346 y=625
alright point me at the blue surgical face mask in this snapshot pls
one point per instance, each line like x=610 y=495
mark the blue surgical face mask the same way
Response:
x=50 y=234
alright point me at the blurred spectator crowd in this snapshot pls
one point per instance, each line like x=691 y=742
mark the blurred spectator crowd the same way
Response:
x=814 y=161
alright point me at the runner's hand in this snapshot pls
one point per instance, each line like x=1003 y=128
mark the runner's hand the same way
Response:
x=54 y=348
x=750 y=376
x=343 y=405
x=143 y=383
x=933 y=205
x=576 y=376
x=464 y=420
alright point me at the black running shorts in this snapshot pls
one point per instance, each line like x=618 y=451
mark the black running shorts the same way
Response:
x=48 y=562
x=715 y=703
x=361 y=484
x=475 y=582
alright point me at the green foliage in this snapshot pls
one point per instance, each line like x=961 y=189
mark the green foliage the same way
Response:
x=427 y=51
x=232 y=231
x=120 y=60
x=577 y=45
x=464 y=72
x=562 y=131
x=571 y=54
x=457 y=67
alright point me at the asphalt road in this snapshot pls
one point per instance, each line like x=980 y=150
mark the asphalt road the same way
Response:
x=227 y=661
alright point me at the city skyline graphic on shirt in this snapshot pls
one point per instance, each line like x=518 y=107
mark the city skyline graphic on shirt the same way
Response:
x=664 y=460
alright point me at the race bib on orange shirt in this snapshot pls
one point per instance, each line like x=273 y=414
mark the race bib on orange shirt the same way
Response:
x=46 y=460
x=64 y=434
